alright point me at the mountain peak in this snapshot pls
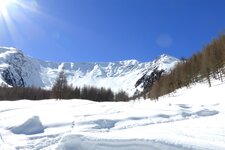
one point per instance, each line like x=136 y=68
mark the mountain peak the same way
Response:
x=165 y=58
x=9 y=49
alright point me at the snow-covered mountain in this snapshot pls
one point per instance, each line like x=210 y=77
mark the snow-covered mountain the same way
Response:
x=17 y=69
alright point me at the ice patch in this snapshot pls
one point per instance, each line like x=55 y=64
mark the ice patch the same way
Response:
x=31 y=126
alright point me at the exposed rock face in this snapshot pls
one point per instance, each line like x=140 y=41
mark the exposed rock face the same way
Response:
x=146 y=81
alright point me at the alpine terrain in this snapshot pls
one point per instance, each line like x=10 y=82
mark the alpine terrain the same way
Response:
x=17 y=69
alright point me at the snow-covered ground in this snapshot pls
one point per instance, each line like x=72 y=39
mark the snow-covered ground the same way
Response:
x=192 y=118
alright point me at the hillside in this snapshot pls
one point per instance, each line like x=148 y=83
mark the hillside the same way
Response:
x=207 y=64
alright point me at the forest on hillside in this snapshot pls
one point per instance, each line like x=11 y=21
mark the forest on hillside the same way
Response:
x=204 y=65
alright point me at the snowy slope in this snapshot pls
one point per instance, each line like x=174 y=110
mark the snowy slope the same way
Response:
x=191 y=118
x=17 y=69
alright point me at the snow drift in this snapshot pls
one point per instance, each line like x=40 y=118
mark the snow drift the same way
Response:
x=31 y=126
x=192 y=118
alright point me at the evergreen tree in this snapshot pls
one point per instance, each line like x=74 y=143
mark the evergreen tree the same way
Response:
x=60 y=86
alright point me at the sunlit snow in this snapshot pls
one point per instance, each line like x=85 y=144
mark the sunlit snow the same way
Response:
x=191 y=118
x=121 y=75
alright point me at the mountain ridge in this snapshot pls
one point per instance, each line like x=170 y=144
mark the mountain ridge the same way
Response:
x=17 y=69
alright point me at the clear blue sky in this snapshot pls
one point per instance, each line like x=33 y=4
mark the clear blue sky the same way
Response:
x=110 y=30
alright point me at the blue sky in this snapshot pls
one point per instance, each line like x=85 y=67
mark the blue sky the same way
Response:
x=110 y=30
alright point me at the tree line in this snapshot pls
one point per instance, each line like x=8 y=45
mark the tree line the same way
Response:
x=207 y=64
x=61 y=90
x=18 y=93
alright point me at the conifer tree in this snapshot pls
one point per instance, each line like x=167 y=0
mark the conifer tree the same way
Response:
x=60 y=85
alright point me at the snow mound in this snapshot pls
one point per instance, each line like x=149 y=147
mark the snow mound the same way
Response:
x=31 y=126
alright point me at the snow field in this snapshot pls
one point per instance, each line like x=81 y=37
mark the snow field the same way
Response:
x=191 y=118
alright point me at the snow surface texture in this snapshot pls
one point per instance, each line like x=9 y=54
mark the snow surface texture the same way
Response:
x=21 y=70
x=31 y=126
x=191 y=118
